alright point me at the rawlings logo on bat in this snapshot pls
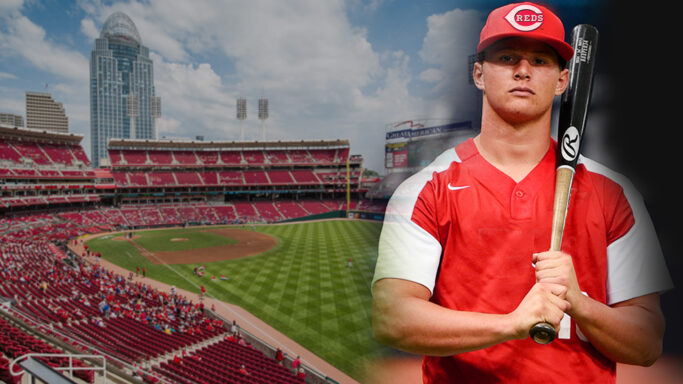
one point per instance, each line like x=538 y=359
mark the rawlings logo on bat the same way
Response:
x=570 y=144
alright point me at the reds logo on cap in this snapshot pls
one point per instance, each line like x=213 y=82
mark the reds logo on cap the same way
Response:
x=525 y=17
x=528 y=20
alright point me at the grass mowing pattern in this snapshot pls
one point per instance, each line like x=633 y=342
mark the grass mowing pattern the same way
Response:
x=163 y=240
x=303 y=287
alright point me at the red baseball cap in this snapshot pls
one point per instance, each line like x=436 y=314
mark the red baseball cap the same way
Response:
x=525 y=20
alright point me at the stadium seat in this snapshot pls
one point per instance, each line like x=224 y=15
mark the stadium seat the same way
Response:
x=160 y=157
x=185 y=157
x=253 y=157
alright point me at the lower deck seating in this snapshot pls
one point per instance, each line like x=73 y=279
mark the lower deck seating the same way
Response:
x=15 y=343
x=290 y=209
x=221 y=362
x=267 y=211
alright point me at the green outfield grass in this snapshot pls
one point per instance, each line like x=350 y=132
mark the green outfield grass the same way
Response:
x=303 y=287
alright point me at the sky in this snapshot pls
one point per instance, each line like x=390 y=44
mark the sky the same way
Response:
x=332 y=69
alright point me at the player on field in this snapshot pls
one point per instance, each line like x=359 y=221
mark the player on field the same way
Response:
x=464 y=270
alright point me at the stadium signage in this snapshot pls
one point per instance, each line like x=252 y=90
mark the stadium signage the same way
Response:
x=428 y=131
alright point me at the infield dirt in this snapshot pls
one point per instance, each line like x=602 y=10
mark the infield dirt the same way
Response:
x=248 y=243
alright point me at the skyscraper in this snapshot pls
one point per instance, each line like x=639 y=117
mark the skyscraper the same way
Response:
x=122 y=99
x=11 y=119
x=44 y=113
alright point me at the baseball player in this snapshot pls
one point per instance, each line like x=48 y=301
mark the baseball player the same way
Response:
x=463 y=270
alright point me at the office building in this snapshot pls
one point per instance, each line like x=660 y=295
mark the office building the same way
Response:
x=123 y=104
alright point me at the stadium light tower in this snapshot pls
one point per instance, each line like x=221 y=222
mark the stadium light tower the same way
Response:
x=263 y=115
x=241 y=114
x=132 y=113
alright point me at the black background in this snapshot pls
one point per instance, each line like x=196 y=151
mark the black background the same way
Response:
x=642 y=50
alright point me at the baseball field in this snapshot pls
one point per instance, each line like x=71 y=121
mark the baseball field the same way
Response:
x=295 y=277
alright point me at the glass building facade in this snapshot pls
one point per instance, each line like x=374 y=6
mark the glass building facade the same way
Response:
x=122 y=100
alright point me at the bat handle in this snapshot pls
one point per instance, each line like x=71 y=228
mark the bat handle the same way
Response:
x=544 y=333
x=564 y=176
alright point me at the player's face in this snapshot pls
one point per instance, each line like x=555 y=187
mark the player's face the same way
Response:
x=520 y=78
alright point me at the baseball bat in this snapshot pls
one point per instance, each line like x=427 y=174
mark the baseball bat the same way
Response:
x=573 y=112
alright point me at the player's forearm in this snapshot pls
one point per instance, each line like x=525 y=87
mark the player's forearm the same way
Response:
x=629 y=333
x=418 y=326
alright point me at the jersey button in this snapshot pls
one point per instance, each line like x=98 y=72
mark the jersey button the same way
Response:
x=520 y=194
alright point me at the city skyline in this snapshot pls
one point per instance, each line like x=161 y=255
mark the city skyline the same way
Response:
x=330 y=70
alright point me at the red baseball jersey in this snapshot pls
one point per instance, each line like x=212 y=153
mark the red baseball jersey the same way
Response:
x=467 y=232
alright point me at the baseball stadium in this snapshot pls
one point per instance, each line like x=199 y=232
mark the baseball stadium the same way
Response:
x=199 y=262
x=186 y=261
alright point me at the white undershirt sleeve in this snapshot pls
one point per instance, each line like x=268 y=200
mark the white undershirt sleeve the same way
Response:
x=406 y=250
x=635 y=262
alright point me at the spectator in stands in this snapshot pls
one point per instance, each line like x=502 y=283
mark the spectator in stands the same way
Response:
x=189 y=356
x=296 y=364
x=243 y=370
x=104 y=307
x=242 y=342
x=279 y=356
x=301 y=373
x=233 y=328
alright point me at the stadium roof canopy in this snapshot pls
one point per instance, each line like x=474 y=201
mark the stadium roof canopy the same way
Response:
x=225 y=145
x=11 y=132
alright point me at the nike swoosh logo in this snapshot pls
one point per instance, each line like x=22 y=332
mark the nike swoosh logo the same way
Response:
x=452 y=188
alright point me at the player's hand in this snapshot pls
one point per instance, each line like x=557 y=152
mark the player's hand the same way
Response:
x=544 y=303
x=557 y=268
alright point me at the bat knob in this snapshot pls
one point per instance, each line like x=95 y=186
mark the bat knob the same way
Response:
x=542 y=333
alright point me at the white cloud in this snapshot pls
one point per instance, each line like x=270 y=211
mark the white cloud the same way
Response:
x=5 y=75
x=24 y=38
x=322 y=76
x=7 y=6
x=432 y=75
x=365 y=6
x=88 y=28
x=13 y=105
x=169 y=127
x=192 y=98
x=451 y=39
